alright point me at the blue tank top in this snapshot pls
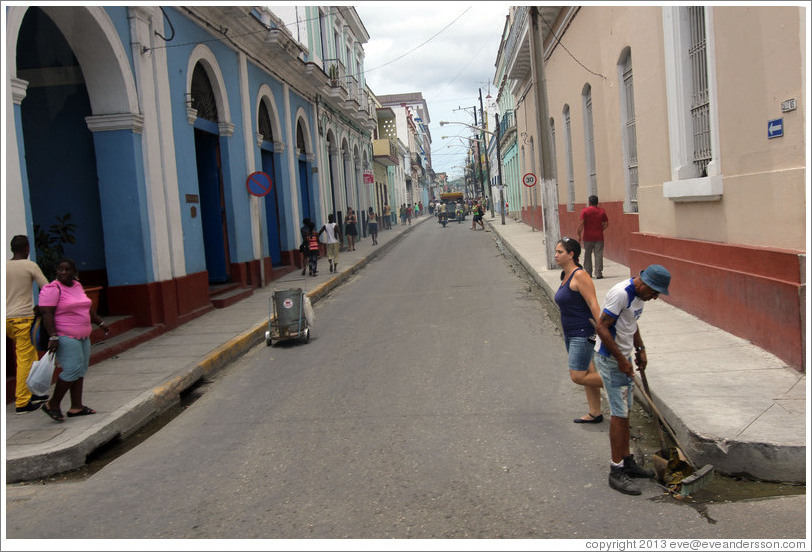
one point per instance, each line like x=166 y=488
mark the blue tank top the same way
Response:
x=575 y=313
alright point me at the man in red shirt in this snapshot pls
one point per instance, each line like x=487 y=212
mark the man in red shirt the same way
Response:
x=593 y=222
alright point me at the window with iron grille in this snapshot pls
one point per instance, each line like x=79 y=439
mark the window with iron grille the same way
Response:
x=203 y=95
x=589 y=142
x=700 y=99
x=265 y=123
x=629 y=130
x=568 y=151
x=690 y=71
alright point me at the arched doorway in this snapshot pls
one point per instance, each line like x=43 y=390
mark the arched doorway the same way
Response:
x=210 y=178
x=272 y=210
x=304 y=177
x=60 y=155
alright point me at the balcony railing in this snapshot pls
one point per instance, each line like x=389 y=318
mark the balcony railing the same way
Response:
x=507 y=123
x=386 y=151
x=513 y=42
x=335 y=70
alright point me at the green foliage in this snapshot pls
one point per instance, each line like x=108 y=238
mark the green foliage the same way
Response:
x=50 y=244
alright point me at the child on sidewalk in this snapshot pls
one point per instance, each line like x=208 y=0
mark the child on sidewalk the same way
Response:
x=313 y=250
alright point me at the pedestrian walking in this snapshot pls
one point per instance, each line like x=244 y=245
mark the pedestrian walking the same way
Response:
x=305 y=232
x=593 y=222
x=333 y=233
x=313 y=251
x=387 y=216
x=617 y=336
x=67 y=313
x=372 y=226
x=478 y=213
x=350 y=229
x=21 y=274
x=579 y=309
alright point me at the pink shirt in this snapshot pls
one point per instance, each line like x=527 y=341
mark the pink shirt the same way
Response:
x=72 y=315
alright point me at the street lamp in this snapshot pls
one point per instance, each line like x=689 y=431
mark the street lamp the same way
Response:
x=498 y=158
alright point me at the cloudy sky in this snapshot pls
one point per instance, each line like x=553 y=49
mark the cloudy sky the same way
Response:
x=404 y=55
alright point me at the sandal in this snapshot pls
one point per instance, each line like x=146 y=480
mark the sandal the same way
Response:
x=84 y=412
x=595 y=419
x=55 y=415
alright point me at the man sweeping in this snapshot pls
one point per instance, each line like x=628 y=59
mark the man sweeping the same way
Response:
x=618 y=335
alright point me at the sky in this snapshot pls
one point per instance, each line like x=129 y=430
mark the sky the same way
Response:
x=447 y=51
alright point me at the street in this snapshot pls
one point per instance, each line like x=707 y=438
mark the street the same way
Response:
x=432 y=401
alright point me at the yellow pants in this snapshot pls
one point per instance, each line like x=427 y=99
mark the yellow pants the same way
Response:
x=19 y=329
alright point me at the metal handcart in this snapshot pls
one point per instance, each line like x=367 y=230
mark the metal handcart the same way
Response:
x=287 y=318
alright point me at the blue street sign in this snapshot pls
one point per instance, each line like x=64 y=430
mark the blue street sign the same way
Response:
x=775 y=128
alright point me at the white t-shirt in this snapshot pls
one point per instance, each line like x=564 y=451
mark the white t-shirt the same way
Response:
x=622 y=304
x=330 y=230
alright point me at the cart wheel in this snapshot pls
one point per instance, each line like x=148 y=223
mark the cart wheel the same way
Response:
x=269 y=342
x=307 y=335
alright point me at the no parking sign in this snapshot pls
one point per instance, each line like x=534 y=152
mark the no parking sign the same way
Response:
x=258 y=184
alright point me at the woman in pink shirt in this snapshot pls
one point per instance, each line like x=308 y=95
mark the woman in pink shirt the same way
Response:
x=66 y=315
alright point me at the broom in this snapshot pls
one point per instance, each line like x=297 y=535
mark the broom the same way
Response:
x=698 y=478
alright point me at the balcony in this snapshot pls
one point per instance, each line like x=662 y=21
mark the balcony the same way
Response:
x=385 y=152
x=507 y=129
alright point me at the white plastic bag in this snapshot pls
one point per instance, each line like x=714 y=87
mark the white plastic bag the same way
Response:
x=310 y=316
x=42 y=371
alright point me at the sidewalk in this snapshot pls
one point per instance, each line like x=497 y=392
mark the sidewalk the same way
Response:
x=135 y=386
x=731 y=404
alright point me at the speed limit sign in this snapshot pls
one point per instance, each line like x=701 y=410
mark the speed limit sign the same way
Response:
x=529 y=180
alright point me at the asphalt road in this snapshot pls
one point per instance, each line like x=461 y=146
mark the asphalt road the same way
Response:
x=432 y=401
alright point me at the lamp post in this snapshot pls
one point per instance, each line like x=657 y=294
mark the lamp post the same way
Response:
x=498 y=158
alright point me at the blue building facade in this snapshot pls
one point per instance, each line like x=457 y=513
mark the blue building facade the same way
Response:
x=144 y=124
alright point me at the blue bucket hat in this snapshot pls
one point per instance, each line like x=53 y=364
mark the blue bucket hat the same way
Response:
x=657 y=278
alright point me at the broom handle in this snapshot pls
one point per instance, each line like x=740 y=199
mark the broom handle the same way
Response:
x=662 y=419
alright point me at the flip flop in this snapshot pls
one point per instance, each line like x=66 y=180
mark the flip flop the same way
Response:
x=55 y=415
x=595 y=419
x=84 y=412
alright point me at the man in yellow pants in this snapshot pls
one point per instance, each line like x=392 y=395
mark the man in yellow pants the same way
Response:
x=21 y=273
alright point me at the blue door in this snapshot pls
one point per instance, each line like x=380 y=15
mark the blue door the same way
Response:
x=304 y=187
x=272 y=211
x=212 y=206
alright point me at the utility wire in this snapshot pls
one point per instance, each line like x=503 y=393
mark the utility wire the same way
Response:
x=419 y=45
x=558 y=41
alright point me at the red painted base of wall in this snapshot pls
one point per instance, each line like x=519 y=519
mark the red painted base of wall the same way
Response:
x=753 y=292
x=168 y=302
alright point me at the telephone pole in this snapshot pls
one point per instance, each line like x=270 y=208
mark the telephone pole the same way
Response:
x=549 y=187
x=487 y=157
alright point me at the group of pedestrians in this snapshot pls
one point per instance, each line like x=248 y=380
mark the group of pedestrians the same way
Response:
x=67 y=316
x=309 y=247
x=600 y=345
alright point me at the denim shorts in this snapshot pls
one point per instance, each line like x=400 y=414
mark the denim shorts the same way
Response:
x=580 y=351
x=619 y=387
x=73 y=356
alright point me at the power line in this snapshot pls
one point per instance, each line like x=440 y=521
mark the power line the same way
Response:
x=558 y=41
x=419 y=45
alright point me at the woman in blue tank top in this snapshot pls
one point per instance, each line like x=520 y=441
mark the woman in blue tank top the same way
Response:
x=578 y=304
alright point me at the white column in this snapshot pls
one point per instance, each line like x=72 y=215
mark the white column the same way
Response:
x=15 y=206
x=160 y=170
